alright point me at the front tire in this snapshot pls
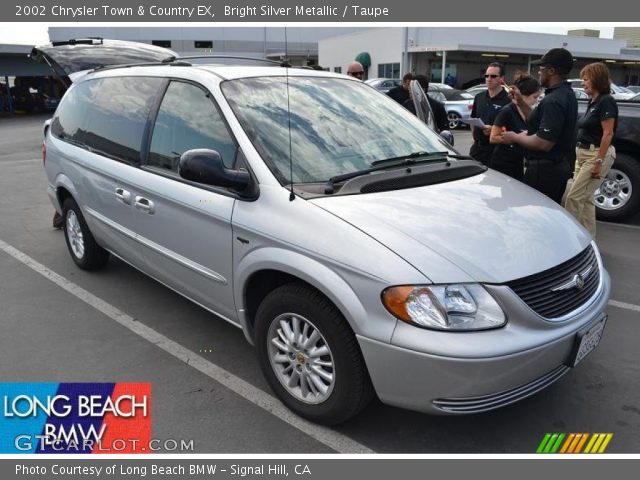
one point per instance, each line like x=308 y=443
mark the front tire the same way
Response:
x=310 y=356
x=618 y=197
x=84 y=250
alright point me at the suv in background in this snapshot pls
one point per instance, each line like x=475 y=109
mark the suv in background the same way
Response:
x=353 y=246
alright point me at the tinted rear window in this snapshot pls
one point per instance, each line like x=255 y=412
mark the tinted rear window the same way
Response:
x=68 y=122
x=108 y=115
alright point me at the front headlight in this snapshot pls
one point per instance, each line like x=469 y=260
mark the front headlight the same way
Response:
x=444 y=307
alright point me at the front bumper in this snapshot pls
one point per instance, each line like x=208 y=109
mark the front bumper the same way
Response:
x=480 y=371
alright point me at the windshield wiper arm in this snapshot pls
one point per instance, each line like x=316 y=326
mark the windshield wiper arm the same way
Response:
x=411 y=156
x=381 y=165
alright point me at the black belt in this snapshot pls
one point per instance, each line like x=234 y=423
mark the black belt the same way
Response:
x=544 y=161
x=587 y=146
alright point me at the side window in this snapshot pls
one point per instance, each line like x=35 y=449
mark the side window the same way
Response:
x=69 y=117
x=118 y=115
x=188 y=119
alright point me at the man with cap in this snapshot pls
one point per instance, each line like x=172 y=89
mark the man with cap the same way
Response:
x=550 y=139
x=356 y=70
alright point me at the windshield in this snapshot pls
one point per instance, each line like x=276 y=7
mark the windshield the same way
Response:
x=338 y=126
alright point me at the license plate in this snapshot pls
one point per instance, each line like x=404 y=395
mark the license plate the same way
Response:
x=586 y=342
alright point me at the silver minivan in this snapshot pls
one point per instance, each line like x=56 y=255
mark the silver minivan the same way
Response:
x=355 y=248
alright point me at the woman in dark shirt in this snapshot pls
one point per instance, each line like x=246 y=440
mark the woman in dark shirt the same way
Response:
x=506 y=158
x=594 y=152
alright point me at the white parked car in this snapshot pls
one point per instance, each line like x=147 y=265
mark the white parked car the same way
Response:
x=619 y=93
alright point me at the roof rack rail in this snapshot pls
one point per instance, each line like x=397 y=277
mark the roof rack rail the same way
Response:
x=163 y=63
x=80 y=41
x=231 y=57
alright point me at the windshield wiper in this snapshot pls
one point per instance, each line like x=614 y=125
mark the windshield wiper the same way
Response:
x=409 y=159
x=412 y=157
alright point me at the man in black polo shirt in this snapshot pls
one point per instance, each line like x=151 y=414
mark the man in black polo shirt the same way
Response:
x=551 y=138
x=486 y=106
x=401 y=93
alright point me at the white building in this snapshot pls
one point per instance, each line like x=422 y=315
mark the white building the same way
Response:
x=464 y=52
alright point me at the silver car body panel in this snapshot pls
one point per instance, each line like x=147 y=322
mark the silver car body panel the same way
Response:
x=493 y=229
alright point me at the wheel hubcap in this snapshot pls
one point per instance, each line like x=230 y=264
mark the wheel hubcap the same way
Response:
x=74 y=234
x=614 y=192
x=301 y=358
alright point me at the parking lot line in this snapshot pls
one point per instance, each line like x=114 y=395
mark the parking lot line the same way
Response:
x=626 y=306
x=328 y=437
x=623 y=225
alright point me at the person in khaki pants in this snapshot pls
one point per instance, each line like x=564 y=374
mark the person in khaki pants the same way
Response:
x=594 y=152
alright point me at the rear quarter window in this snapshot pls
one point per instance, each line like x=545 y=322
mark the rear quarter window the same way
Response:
x=70 y=115
x=108 y=115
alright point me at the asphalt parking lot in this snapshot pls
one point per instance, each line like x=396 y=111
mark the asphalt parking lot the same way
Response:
x=61 y=324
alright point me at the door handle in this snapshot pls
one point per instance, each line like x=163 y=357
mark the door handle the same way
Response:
x=145 y=205
x=123 y=195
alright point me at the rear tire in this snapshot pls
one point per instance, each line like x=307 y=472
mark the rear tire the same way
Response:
x=84 y=250
x=310 y=356
x=619 y=195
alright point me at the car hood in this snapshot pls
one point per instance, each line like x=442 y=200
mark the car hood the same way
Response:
x=487 y=228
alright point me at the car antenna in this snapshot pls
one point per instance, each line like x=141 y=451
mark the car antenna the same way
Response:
x=292 y=195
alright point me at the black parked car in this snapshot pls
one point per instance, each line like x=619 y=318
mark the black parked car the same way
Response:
x=619 y=195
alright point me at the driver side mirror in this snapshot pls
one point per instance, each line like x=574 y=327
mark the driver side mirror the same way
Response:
x=206 y=166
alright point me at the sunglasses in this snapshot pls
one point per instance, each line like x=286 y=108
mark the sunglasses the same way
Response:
x=356 y=74
x=491 y=76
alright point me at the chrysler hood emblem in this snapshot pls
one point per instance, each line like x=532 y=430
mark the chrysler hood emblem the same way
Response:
x=577 y=281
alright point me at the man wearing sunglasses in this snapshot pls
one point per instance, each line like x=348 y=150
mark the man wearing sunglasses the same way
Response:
x=485 y=107
x=356 y=70
x=551 y=137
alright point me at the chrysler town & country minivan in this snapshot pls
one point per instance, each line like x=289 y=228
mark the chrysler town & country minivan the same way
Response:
x=356 y=249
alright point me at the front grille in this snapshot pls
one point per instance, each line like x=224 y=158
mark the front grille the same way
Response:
x=500 y=399
x=554 y=293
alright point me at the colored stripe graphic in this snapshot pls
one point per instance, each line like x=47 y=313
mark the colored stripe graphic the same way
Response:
x=550 y=443
x=543 y=443
x=567 y=443
x=598 y=442
x=574 y=443
x=583 y=439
